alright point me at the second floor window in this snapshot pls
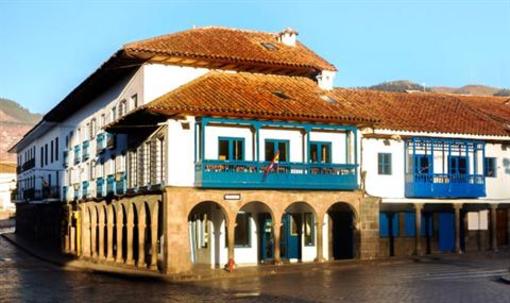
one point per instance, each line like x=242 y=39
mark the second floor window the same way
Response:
x=320 y=152
x=384 y=163
x=422 y=164
x=457 y=165
x=490 y=167
x=231 y=149
x=277 y=146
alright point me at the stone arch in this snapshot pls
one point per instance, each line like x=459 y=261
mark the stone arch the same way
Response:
x=205 y=219
x=343 y=236
x=258 y=229
x=298 y=232
x=85 y=222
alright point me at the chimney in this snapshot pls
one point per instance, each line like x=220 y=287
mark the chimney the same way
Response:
x=288 y=36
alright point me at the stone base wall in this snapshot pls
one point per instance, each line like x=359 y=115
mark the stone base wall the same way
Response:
x=477 y=240
x=42 y=223
x=179 y=203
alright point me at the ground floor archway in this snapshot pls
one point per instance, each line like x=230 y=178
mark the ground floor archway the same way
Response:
x=342 y=233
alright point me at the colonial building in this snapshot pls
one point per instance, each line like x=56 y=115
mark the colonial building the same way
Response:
x=219 y=146
x=439 y=164
x=208 y=146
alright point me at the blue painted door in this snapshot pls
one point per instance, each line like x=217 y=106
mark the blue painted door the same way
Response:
x=290 y=244
x=446 y=232
x=266 y=237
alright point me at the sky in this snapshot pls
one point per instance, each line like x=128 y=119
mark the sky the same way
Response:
x=48 y=47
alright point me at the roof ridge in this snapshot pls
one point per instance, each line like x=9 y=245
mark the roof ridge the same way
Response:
x=126 y=45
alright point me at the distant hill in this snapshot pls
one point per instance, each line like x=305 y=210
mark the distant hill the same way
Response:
x=398 y=86
x=15 y=121
x=13 y=112
x=472 y=89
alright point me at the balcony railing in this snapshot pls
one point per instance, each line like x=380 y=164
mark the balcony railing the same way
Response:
x=445 y=186
x=50 y=192
x=28 y=165
x=251 y=174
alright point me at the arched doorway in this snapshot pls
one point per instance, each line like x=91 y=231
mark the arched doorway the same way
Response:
x=297 y=240
x=204 y=229
x=341 y=222
x=254 y=242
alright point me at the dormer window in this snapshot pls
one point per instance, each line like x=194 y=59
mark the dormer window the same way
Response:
x=281 y=94
x=269 y=46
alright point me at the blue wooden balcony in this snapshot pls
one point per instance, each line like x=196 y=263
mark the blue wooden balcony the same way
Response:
x=445 y=186
x=252 y=174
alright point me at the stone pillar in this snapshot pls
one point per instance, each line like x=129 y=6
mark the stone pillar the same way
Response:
x=231 y=225
x=93 y=233
x=176 y=242
x=320 y=254
x=417 y=241
x=85 y=234
x=129 y=241
x=154 y=238
x=369 y=228
x=120 y=225
x=277 y=224
x=457 y=208
x=109 y=231
x=494 y=227
x=141 y=242
x=78 y=239
x=101 y=225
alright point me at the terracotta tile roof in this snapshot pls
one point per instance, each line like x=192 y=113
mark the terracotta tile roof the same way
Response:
x=497 y=108
x=257 y=96
x=227 y=44
x=424 y=112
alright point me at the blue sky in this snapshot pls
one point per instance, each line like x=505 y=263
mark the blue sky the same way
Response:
x=49 y=47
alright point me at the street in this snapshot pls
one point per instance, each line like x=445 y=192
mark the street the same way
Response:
x=469 y=278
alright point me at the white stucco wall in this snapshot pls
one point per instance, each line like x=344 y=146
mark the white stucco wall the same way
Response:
x=499 y=187
x=387 y=186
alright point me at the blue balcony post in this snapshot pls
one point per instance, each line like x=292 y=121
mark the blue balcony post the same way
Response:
x=355 y=132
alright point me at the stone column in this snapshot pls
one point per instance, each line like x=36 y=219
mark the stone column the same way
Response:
x=154 y=238
x=494 y=227
x=276 y=237
x=417 y=244
x=319 y=223
x=231 y=242
x=109 y=248
x=93 y=232
x=457 y=208
x=141 y=242
x=101 y=225
x=120 y=225
x=129 y=243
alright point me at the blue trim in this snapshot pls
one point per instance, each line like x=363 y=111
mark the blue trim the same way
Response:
x=77 y=156
x=283 y=124
x=100 y=187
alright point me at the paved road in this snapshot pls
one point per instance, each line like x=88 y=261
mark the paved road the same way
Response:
x=449 y=279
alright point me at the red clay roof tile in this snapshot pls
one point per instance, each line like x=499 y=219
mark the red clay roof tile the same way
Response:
x=233 y=45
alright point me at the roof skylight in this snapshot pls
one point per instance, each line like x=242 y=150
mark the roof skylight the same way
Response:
x=269 y=46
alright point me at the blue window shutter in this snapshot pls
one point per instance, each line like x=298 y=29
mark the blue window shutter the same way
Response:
x=410 y=224
x=424 y=224
x=396 y=225
x=383 y=224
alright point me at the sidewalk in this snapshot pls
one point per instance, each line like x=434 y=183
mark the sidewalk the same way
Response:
x=68 y=262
